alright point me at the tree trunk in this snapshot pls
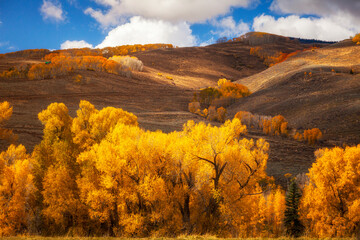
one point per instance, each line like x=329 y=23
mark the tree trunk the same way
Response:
x=186 y=214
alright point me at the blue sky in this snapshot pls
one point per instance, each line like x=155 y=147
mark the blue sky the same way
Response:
x=55 y=24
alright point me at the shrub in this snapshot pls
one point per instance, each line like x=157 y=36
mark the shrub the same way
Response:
x=245 y=117
x=221 y=114
x=212 y=114
x=194 y=106
x=132 y=63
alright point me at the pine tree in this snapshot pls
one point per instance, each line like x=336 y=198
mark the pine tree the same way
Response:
x=293 y=225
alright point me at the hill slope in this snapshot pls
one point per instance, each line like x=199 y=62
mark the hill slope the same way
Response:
x=328 y=98
x=159 y=95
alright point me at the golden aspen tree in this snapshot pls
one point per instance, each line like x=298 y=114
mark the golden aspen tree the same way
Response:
x=5 y=113
x=312 y=135
x=55 y=165
x=17 y=191
x=229 y=167
x=82 y=126
x=330 y=205
x=106 y=188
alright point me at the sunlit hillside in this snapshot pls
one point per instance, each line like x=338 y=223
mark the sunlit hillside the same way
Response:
x=252 y=137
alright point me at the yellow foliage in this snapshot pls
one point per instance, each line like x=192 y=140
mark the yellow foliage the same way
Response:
x=100 y=173
x=78 y=78
x=16 y=191
x=330 y=204
x=222 y=81
x=5 y=113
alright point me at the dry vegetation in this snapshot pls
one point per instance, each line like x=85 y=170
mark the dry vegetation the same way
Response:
x=100 y=174
x=95 y=170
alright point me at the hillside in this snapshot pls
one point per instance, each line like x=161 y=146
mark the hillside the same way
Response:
x=328 y=98
x=159 y=95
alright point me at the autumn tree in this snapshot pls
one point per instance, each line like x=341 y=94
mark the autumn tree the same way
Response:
x=5 y=113
x=356 y=39
x=312 y=135
x=294 y=227
x=231 y=167
x=331 y=201
x=17 y=192
x=55 y=165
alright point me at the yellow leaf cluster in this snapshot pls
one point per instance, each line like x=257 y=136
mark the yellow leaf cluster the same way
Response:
x=330 y=205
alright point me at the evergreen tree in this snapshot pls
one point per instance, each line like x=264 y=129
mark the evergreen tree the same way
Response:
x=293 y=225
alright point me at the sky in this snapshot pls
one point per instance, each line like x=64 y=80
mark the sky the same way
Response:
x=61 y=24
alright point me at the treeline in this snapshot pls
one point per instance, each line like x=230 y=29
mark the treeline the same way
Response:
x=100 y=174
x=61 y=62
x=105 y=52
x=278 y=126
x=60 y=65
x=211 y=102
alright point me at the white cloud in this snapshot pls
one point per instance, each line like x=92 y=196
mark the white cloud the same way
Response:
x=52 y=11
x=325 y=28
x=142 y=31
x=75 y=44
x=227 y=27
x=2 y=44
x=168 y=10
x=208 y=42
x=325 y=8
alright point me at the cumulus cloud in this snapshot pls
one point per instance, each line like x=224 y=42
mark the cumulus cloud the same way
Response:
x=142 y=31
x=324 y=28
x=75 y=44
x=169 y=10
x=208 y=42
x=227 y=27
x=332 y=14
x=52 y=11
x=350 y=8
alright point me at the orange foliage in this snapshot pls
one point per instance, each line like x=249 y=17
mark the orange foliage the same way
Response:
x=356 y=39
x=221 y=114
x=275 y=126
x=312 y=135
x=129 y=49
x=234 y=90
x=16 y=72
x=277 y=57
x=62 y=65
x=5 y=113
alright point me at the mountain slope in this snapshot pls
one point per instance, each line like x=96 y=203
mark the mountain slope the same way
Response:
x=328 y=98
